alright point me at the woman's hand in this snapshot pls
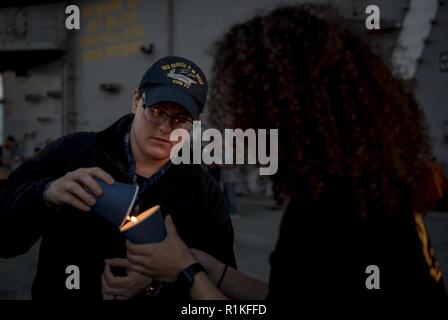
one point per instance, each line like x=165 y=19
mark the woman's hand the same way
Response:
x=213 y=266
x=122 y=287
x=161 y=261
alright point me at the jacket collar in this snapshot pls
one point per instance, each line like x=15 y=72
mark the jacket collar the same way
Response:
x=111 y=141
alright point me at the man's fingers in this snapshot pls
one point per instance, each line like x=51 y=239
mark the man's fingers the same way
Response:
x=170 y=227
x=107 y=295
x=80 y=193
x=196 y=253
x=100 y=173
x=90 y=183
x=120 y=283
x=118 y=262
x=140 y=249
x=139 y=260
x=130 y=246
x=108 y=276
x=70 y=199
x=109 y=291
x=140 y=269
x=115 y=282
x=105 y=289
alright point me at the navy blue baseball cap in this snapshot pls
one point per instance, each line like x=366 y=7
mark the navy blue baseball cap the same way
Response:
x=177 y=80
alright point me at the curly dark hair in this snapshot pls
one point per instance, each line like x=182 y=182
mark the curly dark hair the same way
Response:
x=340 y=111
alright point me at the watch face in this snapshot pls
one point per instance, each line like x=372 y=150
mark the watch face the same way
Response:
x=187 y=276
x=184 y=281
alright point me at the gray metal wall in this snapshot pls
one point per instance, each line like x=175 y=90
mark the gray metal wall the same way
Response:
x=24 y=29
x=33 y=124
x=101 y=59
x=432 y=85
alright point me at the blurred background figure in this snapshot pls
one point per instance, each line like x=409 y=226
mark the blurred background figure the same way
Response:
x=8 y=151
x=10 y=155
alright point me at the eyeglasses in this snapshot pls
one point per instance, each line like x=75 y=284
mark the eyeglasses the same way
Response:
x=156 y=115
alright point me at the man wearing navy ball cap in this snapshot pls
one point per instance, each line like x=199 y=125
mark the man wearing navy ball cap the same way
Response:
x=47 y=197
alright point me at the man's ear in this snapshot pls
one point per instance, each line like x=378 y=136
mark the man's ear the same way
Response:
x=135 y=100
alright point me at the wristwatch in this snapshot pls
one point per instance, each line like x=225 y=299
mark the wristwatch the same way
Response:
x=186 y=276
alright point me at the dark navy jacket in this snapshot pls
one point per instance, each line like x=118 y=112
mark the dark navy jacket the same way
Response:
x=72 y=237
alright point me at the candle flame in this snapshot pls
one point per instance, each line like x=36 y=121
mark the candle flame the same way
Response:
x=132 y=221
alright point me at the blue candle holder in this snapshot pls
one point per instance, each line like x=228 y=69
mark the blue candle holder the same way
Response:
x=116 y=201
x=147 y=227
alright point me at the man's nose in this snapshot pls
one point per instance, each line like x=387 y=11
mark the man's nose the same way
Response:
x=166 y=126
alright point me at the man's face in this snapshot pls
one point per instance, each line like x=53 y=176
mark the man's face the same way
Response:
x=153 y=140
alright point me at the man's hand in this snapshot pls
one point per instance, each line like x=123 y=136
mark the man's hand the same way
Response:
x=122 y=288
x=72 y=188
x=161 y=261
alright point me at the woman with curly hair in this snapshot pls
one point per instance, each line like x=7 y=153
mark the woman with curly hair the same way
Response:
x=352 y=151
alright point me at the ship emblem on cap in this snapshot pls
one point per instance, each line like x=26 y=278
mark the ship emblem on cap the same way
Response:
x=183 y=75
